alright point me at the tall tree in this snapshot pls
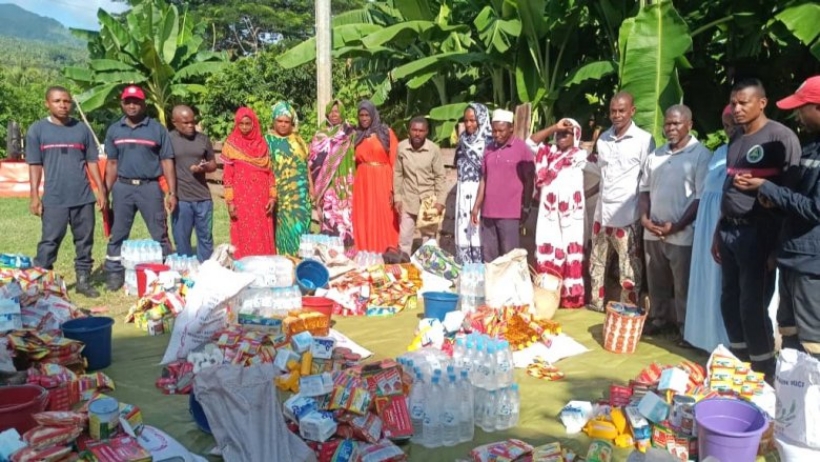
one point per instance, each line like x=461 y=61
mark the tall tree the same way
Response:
x=156 y=47
x=245 y=26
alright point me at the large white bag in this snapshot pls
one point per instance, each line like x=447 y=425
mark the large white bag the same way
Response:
x=507 y=281
x=205 y=311
x=797 y=386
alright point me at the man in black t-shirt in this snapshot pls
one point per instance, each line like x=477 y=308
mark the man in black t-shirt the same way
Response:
x=746 y=234
x=194 y=157
x=62 y=147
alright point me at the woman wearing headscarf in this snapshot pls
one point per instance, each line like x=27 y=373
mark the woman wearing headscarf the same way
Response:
x=289 y=154
x=559 y=234
x=332 y=166
x=375 y=224
x=478 y=133
x=704 y=327
x=250 y=187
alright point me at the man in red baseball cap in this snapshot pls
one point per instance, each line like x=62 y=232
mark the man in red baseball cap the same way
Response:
x=139 y=152
x=798 y=259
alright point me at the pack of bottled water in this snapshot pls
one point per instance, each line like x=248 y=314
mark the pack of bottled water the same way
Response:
x=365 y=259
x=452 y=395
x=309 y=244
x=269 y=302
x=270 y=270
x=471 y=287
x=183 y=264
x=135 y=252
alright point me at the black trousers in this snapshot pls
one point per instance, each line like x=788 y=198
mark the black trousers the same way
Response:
x=148 y=199
x=798 y=315
x=55 y=222
x=747 y=288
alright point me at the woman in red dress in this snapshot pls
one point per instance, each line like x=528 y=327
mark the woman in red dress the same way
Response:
x=375 y=224
x=250 y=188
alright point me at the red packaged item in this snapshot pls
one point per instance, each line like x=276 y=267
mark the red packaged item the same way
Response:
x=386 y=381
x=395 y=416
x=619 y=395
x=121 y=448
x=324 y=451
x=367 y=427
x=52 y=454
x=504 y=451
x=42 y=437
x=383 y=451
x=61 y=419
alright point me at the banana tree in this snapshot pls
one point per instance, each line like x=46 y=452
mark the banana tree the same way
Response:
x=154 y=47
x=652 y=46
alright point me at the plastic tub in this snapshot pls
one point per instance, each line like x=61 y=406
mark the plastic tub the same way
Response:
x=18 y=403
x=142 y=275
x=438 y=304
x=95 y=333
x=729 y=429
x=198 y=414
x=103 y=418
x=318 y=304
x=311 y=275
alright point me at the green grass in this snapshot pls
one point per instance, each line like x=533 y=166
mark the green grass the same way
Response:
x=20 y=233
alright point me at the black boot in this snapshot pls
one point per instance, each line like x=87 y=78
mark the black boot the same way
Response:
x=114 y=281
x=84 y=286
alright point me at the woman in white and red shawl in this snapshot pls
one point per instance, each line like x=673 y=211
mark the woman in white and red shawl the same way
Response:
x=559 y=182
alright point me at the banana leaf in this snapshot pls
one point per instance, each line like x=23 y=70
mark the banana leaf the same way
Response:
x=656 y=41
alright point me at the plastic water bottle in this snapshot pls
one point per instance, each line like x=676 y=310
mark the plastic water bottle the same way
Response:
x=503 y=416
x=480 y=298
x=459 y=354
x=478 y=364
x=467 y=364
x=466 y=400
x=503 y=365
x=432 y=414
x=490 y=411
x=451 y=412
x=487 y=368
x=417 y=405
x=515 y=402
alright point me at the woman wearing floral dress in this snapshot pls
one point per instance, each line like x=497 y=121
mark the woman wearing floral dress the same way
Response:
x=289 y=155
x=559 y=234
x=332 y=167
x=469 y=154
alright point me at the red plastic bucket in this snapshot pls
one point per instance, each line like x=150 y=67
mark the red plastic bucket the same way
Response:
x=322 y=305
x=17 y=405
x=142 y=275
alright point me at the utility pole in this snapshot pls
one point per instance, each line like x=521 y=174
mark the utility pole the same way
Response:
x=324 y=80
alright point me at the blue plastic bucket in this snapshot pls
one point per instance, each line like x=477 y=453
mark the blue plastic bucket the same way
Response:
x=438 y=304
x=95 y=333
x=198 y=414
x=311 y=275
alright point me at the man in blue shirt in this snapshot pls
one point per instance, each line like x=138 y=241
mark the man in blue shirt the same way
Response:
x=139 y=152
x=62 y=147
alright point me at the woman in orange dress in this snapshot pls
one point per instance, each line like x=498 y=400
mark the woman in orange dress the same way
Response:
x=250 y=188
x=375 y=224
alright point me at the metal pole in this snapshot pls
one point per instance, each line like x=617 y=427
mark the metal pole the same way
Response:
x=324 y=81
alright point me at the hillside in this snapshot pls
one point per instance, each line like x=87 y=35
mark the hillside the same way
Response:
x=21 y=24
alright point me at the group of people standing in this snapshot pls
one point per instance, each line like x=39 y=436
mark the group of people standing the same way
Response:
x=357 y=183
x=708 y=229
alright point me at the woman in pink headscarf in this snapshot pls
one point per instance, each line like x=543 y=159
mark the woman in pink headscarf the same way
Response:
x=559 y=180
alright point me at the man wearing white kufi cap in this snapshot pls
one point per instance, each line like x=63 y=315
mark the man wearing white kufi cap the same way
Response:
x=505 y=190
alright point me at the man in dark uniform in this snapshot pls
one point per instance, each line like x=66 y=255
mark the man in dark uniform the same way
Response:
x=798 y=315
x=139 y=152
x=62 y=147
x=746 y=234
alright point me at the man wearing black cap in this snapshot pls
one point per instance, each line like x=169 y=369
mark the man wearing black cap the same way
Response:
x=798 y=315
x=139 y=152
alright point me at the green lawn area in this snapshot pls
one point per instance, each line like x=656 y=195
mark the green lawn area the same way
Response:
x=21 y=232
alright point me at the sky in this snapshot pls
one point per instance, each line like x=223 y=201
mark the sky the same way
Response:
x=80 y=14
